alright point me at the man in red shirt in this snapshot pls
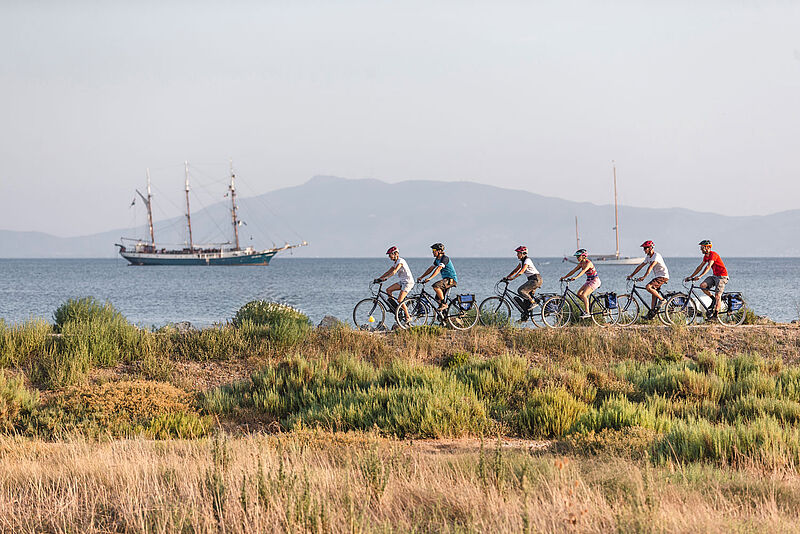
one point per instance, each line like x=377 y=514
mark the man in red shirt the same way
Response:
x=718 y=280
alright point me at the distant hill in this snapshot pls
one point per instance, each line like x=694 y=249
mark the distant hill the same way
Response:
x=357 y=218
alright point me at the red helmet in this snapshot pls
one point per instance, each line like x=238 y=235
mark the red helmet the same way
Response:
x=391 y=250
x=647 y=243
x=522 y=249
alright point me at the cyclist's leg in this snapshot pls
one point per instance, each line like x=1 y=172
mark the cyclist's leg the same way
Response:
x=707 y=284
x=584 y=293
x=527 y=289
x=392 y=288
x=652 y=287
x=722 y=281
x=438 y=289
x=404 y=290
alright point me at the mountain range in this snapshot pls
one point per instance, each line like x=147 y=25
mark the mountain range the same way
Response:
x=340 y=217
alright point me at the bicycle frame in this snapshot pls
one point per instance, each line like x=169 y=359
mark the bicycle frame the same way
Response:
x=430 y=301
x=692 y=294
x=643 y=300
x=575 y=300
x=537 y=299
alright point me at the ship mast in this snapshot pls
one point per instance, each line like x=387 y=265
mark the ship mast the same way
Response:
x=232 y=189
x=188 y=214
x=577 y=237
x=149 y=208
x=616 y=210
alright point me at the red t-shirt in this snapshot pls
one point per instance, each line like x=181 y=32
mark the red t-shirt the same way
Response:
x=718 y=268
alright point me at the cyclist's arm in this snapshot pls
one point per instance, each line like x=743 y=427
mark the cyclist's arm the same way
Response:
x=649 y=269
x=423 y=275
x=515 y=273
x=391 y=272
x=571 y=272
x=636 y=270
x=694 y=274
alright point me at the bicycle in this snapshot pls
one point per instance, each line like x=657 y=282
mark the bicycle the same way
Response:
x=629 y=309
x=682 y=308
x=496 y=310
x=558 y=310
x=461 y=312
x=370 y=313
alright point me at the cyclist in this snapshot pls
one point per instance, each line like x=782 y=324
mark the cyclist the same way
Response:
x=400 y=268
x=718 y=280
x=534 y=282
x=586 y=266
x=655 y=264
x=444 y=265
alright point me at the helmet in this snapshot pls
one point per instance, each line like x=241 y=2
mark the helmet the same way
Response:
x=391 y=250
x=522 y=249
x=437 y=246
x=705 y=242
x=580 y=252
x=647 y=243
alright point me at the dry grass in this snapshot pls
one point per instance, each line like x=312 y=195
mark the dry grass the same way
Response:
x=307 y=482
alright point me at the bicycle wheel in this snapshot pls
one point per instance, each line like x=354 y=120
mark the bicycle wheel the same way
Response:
x=628 y=310
x=729 y=317
x=662 y=314
x=556 y=312
x=680 y=309
x=494 y=311
x=459 y=318
x=415 y=313
x=533 y=312
x=369 y=315
x=602 y=315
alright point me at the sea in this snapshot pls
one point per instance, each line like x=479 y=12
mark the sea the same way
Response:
x=152 y=296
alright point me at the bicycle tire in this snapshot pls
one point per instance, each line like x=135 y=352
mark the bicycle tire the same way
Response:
x=556 y=312
x=418 y=313
x=601 y=315
x=366 y=309
x=680 y=309
x=494 y=311
x=459 y=318
x=732 y=318
x=628 y=310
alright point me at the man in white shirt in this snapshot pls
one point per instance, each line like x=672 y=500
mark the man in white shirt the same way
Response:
x=534 y=282
x=655 y=264
x=400 y=267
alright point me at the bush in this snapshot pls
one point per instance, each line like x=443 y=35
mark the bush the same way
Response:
x=266 y=313
x=23 y=342
x=86 y=310
x=550 y=413
x=121 y=409
x=17 y=403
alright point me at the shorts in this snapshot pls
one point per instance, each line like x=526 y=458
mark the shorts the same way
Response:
x=591 y=284
x=444 y=284
x=718 y=282
x=528 y=288
x=406 y=286
x=657 y=282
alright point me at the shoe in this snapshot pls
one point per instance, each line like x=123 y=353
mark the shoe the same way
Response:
x=442 y=307
x=711 y=314
x=649 y=315
x=585 y=316
x=524 y=316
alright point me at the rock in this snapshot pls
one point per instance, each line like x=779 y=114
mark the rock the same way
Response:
x=183 y=327
x=330 y=322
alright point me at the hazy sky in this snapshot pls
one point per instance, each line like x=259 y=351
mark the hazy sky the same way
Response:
x=698 y=102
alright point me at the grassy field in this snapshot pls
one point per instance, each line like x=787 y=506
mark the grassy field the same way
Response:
x=269 y=424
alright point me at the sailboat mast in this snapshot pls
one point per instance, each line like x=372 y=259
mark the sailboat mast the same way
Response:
x=232 y=189
x=577 y=237
x=188 y=213
x=616 y=209
x=150 y=210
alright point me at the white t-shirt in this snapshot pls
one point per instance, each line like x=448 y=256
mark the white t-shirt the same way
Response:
x=528 y=268
x=404 y=274
x=660 y=268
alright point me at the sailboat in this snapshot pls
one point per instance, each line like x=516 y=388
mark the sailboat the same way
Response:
x=139 y=252
x=608 y=259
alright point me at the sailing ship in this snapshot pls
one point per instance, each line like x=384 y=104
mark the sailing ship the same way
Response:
x=608 y=259
x=140 y=252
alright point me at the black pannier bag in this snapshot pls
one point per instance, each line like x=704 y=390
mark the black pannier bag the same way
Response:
x=466 y=302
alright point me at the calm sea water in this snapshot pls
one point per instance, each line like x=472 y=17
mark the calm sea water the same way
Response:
x=154 y=296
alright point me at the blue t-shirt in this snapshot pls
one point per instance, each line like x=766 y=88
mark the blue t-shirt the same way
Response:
x=448 y=271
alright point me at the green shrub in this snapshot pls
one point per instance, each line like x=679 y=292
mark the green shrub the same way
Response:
x=22 y=342
x=266 y=313
x=550 y=413
x=628 y=442
x=402 y=399
x=17 y=403
x=86 y=310
x=618 y=413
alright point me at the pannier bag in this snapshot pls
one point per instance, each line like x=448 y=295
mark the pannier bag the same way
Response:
x=552 y=306
x=611 y=301
x=466 y=302
x=680 y=301
x=735 y=301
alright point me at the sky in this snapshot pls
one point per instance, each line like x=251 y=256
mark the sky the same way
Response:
x=697 y=102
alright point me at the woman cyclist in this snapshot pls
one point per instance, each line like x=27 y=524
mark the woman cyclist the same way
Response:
x=534 y=282
x=586 y=266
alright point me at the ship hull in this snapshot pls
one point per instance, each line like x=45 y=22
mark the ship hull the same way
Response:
x=610 y=260
x=199 y=258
